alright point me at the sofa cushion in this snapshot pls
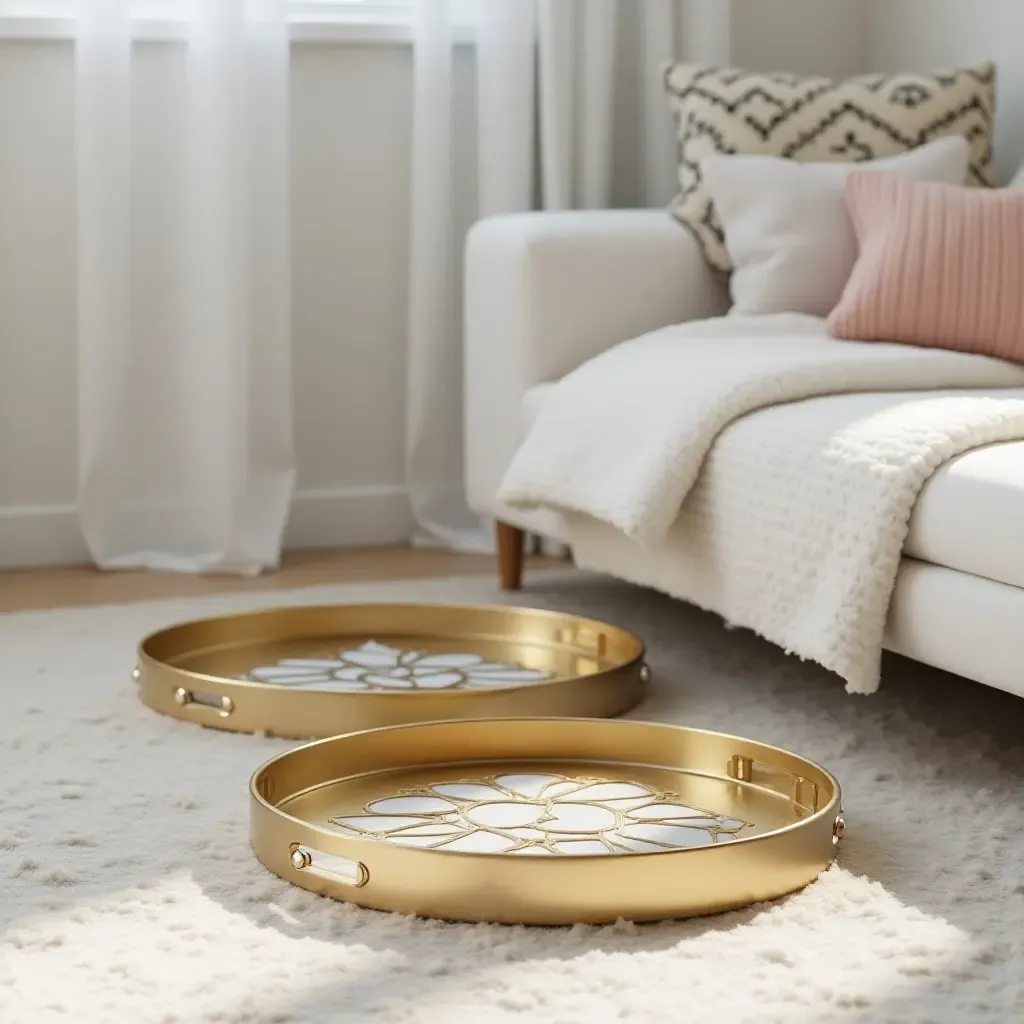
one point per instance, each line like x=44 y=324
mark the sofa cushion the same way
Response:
x=813 y=119
x=968 y=516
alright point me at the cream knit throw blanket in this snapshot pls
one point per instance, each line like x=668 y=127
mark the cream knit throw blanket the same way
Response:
x=795 y=527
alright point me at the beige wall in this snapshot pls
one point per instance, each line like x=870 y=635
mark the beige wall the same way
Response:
x=824 y=37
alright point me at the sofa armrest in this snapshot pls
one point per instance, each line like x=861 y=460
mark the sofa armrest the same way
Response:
x=545 y=292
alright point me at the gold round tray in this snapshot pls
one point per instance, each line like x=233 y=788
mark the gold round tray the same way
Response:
x=318 y=671
x=545 y=821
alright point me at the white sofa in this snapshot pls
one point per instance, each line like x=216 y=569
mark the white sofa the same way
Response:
x=547 y=291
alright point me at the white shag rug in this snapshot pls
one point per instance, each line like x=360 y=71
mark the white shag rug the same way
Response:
x=128 y=891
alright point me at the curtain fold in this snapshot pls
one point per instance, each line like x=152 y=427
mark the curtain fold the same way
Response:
x=506 y=106
x=577 y=53
x=185 y=435
x=434 y=368
x=660 y=30
x=562 y=86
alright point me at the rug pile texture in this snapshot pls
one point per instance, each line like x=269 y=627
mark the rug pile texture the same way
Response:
x=128 y=891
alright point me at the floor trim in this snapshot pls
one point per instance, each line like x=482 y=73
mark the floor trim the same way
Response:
x=368 y=516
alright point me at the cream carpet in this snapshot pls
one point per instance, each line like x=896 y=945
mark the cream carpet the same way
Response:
x=128 y=891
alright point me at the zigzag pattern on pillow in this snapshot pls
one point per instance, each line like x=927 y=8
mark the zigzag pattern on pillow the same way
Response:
x=813 y=119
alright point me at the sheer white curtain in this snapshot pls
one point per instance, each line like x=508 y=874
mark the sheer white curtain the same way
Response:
x=555 y=79
x=185 y=446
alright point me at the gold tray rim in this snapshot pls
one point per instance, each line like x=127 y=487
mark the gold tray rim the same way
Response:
x=269 y=764
x=623 y=680
x=783 y=859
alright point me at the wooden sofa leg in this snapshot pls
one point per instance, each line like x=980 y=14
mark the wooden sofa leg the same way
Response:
x=511 y=545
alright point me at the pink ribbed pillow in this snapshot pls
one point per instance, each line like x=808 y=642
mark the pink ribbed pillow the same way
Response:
x=939 y=265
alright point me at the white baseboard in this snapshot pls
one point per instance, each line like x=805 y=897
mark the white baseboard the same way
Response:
x=32 y=535
x=36 y=535
x=349 y=517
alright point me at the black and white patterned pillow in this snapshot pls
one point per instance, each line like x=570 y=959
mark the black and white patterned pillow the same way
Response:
x=811 y=119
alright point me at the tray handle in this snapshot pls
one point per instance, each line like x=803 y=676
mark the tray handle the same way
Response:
x=328 y=866
x=204 y=703
x=803 y=793
x=196 y=700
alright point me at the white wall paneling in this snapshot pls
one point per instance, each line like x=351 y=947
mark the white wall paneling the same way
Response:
x=351 y=113
x=351 y=116
x=350 y=140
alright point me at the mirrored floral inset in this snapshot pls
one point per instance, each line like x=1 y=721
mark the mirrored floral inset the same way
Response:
x=376 y=667
x=546 y=815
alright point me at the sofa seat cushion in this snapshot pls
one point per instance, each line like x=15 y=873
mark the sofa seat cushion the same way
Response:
x=969 y=516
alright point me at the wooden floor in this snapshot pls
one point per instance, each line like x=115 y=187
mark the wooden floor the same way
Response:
x=82 y=585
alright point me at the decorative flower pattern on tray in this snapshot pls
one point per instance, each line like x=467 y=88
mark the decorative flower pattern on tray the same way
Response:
x=539 y=815
x=375 y=667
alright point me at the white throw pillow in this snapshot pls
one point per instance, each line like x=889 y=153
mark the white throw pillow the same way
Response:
x=787 y=231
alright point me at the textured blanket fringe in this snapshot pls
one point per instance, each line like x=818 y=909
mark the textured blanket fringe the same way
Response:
x=761 y=470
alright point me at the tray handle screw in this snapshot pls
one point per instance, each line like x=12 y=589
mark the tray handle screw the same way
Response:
x=838 y=830
x=645 y=673
x=300 y=859
x=136 y=673
x=182 y=696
